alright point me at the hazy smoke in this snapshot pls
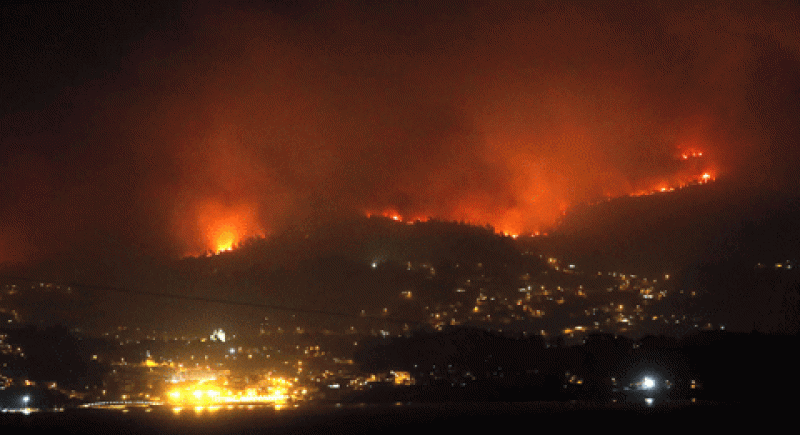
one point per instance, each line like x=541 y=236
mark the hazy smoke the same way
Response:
x=494 y=113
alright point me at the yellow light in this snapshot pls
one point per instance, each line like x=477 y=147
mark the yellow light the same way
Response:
x=226 y=238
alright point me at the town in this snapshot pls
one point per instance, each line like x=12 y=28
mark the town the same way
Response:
x=452 y=314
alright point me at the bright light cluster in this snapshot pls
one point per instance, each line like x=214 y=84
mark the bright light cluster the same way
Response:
x=202 y=394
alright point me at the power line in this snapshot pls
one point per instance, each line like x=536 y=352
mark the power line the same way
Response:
x=213 y=300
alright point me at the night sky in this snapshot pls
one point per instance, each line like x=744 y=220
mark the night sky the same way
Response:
x=176 y=129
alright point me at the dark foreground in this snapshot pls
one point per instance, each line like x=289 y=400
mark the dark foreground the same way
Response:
x=452 y=418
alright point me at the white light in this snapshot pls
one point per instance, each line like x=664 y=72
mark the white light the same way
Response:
x=218 y=335
x=649 y=401
x=648 y=383
x=26 y=399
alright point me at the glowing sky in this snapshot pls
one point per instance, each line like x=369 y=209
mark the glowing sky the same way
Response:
x=184 y=128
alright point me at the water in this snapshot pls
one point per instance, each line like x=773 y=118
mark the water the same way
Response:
x=449 y=418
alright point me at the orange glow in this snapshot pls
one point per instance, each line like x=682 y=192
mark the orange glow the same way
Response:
x=538 y=209
x=512 y=222
x=395 y=216
x=223 y=227
x=226 y=238
x=692 y=147
x=253 y=122
x=202 y=395
x=686 y=155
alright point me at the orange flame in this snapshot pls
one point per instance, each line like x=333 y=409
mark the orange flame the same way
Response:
x=514 y=222
x=226 y=238
x=395 y=216
x=223 y=227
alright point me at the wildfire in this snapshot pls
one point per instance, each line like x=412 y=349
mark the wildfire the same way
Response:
x=395 y=216
x=226 y=238
x=514 y=223
x=705 y=177
x=689 y=154
x=505 y=229
x=224 y=227
x=696 y=170
x=536 y=208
